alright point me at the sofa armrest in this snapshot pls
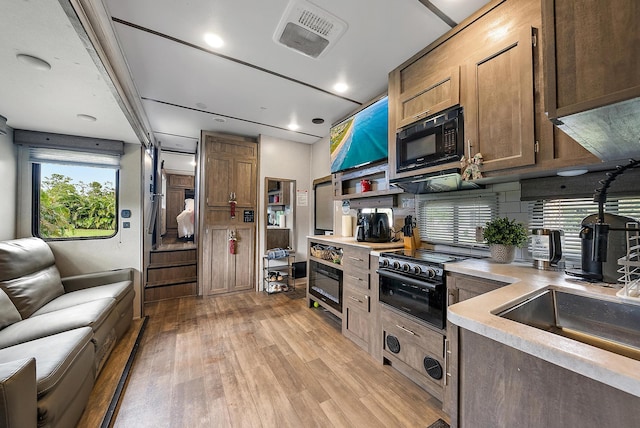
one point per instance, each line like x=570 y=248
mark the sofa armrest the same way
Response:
x=79 y=282
x=18 y=394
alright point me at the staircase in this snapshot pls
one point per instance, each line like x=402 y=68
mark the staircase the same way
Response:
x=171 y=273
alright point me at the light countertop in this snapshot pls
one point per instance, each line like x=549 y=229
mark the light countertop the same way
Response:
x=350 y=240
x=477 y=315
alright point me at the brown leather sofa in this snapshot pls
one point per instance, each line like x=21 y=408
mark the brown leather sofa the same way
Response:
x=55 y=334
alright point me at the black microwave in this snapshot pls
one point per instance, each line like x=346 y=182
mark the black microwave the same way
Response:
x=432 y=141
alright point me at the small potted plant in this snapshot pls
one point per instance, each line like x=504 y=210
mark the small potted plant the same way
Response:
x=503 y=236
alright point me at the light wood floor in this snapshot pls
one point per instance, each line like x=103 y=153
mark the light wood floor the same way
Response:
x=254 y=360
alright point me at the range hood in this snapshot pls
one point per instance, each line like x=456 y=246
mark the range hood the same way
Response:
x=444 y=181
x=612 y=132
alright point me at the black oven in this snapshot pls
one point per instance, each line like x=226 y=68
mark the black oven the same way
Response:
x=419 y=297
x=414 y=282
x=431 y=141
x=325 y=284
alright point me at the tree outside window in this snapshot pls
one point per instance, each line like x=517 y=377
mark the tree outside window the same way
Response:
x=75 y=201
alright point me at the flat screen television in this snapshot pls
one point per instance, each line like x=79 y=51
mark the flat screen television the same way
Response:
x=361 y=138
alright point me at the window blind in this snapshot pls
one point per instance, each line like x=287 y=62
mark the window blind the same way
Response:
x=567 y=215
x=73 y=157
x=454 y=220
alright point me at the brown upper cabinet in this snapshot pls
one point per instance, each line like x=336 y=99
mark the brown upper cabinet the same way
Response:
x=231 y=168
x=499 y=113
x=425 y=90
x=492 y=65
x=592 y=73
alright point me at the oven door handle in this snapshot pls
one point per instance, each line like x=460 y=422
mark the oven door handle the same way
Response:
x=406 y=279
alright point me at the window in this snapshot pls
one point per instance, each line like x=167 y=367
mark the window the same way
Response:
x=454 y=220
x=567 y=215
x=74 y=194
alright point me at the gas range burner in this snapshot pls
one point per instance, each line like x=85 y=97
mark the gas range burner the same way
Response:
x=424 y=256
x=419 y=264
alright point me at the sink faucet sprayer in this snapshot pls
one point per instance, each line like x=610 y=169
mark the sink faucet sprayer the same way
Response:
x=601 y=229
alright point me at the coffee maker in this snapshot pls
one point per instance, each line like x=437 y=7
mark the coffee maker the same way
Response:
x=373 y=227
x=606 y=271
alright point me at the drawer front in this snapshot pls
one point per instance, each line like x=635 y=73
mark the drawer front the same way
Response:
x=413 y=333
x=416 y=349
x=356 y=278
x=355 y=258
x=357 y=299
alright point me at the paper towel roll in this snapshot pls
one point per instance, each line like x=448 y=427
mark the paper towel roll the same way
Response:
x=347 y=225
x=282 y=220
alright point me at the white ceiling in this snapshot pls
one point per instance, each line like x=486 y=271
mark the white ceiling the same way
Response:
x=250 y=86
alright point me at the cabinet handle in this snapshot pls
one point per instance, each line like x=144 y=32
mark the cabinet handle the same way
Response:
x=355 y=277
x=406 y=329
x=356 y=259
x=447 y=353
x=422 y=113
x=356 y=299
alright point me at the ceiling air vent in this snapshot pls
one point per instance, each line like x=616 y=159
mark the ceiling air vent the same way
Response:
x=308 y=29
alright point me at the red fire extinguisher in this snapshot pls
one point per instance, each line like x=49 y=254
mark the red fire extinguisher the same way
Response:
x=232 y=242
x=232 y=204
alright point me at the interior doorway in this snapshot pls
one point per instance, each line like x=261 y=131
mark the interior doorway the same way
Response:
x=177 y=214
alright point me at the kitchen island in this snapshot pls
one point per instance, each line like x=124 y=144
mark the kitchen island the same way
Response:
x=513 y=374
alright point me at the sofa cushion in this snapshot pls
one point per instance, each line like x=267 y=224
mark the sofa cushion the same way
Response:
x=90 y=314
x=32 y=291
x=8 y=312
x=19 y=257
x=115 y=291
x=54 y=354
x=65 y=373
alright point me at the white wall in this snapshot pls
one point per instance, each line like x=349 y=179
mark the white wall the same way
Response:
x=8 y=188
x=84 y=256
x=288 y=160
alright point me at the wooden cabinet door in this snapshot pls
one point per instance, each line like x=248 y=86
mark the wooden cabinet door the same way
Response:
x=241 y=263
x=591 y=54
x=218 y=181
x=231 y=167
x=216 y=260
x=426 y=92
x=459 y=288
x=244 y=182
x=499 y=111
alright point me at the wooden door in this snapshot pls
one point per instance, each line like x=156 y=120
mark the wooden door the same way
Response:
x=216 y=260
x=242 y=263
x=175 y=205
x=499 y=113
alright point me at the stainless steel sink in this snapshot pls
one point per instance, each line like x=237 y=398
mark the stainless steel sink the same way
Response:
x=607 y=325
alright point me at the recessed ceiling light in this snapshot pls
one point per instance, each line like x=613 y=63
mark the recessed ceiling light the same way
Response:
x=317 y=120
x=293 y=126
x=220 y=119
x=86 y=117
x=340 y=87
x=213 y=40
x=201 y=106
x=572 y=172
x=34 y=61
